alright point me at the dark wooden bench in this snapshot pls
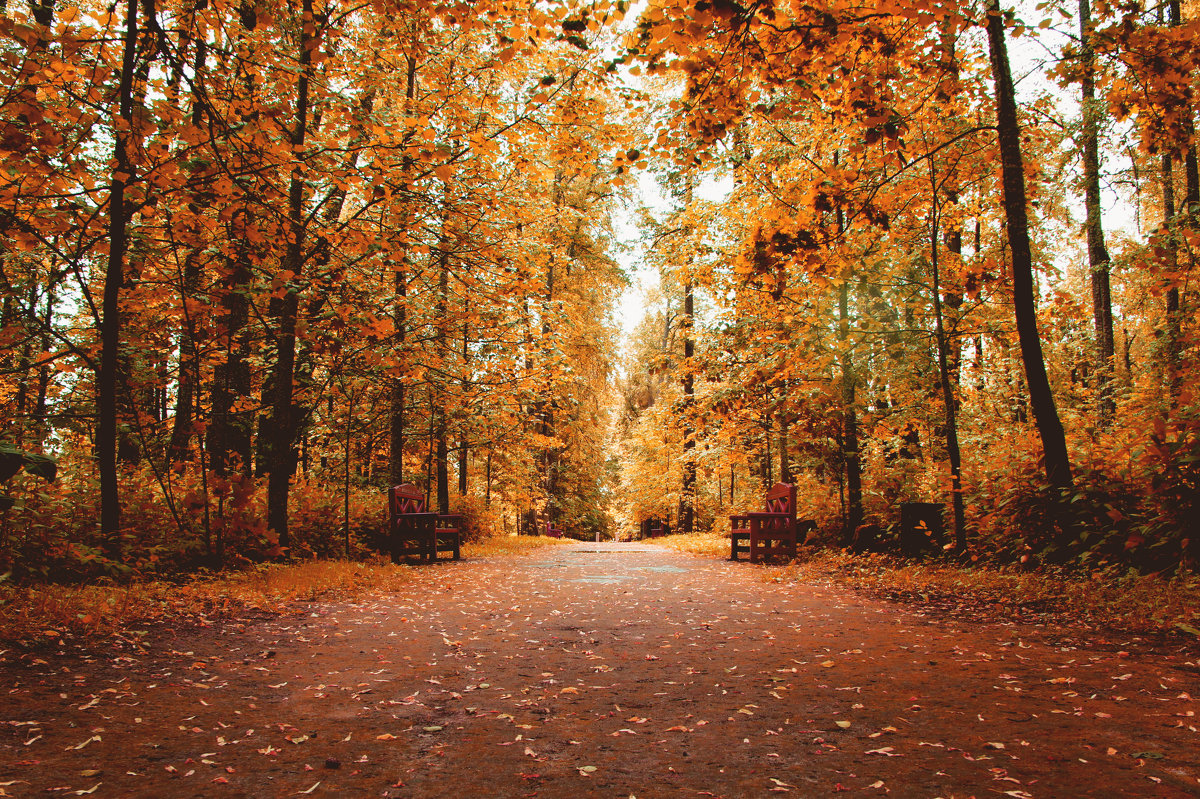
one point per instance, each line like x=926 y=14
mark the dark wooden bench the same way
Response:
x=552 y=531
x=769 y=532
x=415 y=532
x=653 y=528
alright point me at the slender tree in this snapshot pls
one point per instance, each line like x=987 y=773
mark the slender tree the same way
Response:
x=1041 y=399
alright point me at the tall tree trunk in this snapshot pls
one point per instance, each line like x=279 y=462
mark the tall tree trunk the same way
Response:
x=1171 y=351
x=948 y=399
x=400 y=316
x=487 y=496
x=1041 y=399
x=1098 y=260
x=40 y=417
x=687 y=499
x=24 y=368
x=785 y=466
x=283 y=424
x=189 y=368
x=851 y=458
x=462 y=468
x=110 y=325
x=439 y=405
x=850 y=454
x=229 y=439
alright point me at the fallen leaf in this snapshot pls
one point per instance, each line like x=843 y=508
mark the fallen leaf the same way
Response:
x=85 y=743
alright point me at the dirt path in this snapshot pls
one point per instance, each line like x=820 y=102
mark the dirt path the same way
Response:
x=607 y=671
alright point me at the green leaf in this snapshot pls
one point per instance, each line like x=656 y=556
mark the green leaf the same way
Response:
x=1187 y=628
x=41 y=466
x=12 y=460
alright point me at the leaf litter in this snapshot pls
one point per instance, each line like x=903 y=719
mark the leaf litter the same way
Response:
x=694 y=679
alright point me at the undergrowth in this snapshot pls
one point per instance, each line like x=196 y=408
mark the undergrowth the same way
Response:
x=53 y=611
x=1127 y=600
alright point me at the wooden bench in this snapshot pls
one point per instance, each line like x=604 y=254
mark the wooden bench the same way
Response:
x=769 y=532
x=653 y=528
x=552 y=531
x=413 y=531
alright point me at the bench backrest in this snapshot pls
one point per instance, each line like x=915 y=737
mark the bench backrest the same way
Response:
x=406 y=498
x=781 y=498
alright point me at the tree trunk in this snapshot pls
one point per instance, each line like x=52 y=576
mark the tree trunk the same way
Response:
x=439 y=404
x=785 y=466
x=948 y=399
x=282 y=427
x=462 y=468
x=110 y=325
x=1041 y=399
x=229 y=439
x=487 y=496
x=1098 y=260
x=189 y=368
x=850 y=454
x=396 y=407
x=687 y=498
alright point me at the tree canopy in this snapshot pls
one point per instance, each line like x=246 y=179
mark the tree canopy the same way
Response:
x=265 y=258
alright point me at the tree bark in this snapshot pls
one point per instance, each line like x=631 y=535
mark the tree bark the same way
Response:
x=282 y=427
x=439 y=404
x=851 y=458
x=850 y=454
x=1041 y=399
x=948 y=399
x=110 y=324
x=396 y=409
x=1098 y=259
x=687 y=498
x=229 y=440
x=189 y=368
x=785 y=466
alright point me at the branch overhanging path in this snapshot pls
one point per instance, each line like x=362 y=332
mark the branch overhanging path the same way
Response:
x=602 y=670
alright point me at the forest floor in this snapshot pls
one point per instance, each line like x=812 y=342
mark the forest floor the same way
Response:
x=607 y=670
